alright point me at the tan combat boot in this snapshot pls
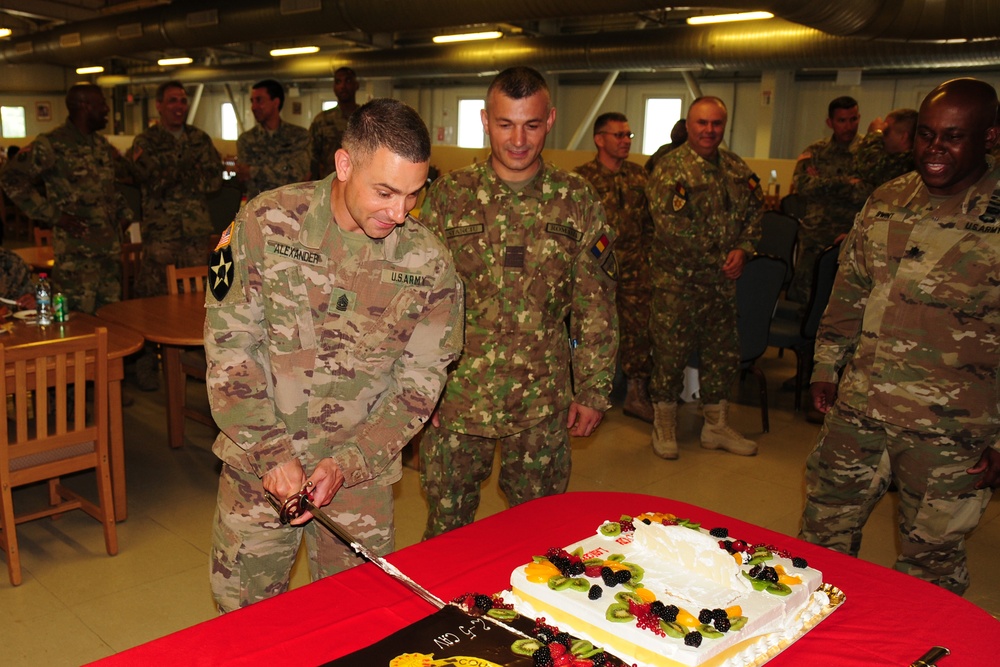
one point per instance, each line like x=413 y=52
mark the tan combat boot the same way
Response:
x=637 y=403
x=716 y=433
x=665 y=429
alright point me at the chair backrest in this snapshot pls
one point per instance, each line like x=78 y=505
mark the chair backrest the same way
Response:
x=43 y=236
x=189 y=279
x=757 y=291
x=131 y=262
x=824 y=273
x=779 y=232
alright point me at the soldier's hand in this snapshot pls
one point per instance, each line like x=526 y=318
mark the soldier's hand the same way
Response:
x=823 y=395
x=989 y=467
x=326 y=480
x=73 y=224
x=436 y=419
x=285 y=480
x=735 y=260
x=582 y=420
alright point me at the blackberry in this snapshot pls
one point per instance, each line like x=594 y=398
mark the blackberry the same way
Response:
x=543 y=657
x=564 y=639
x=755 y=571
x=705 y=616
x=769 y=574
x=600 y=659
x=576 y=568
x=799 y=562
x=719 y=532
x=608 y=575
x=670 y=613
x=722 y=624
x=595 y=592
x=656 y=608
x=692 y=638
x=647 y=522
x=623 y=576
x=484 y=603
x=718 y=614
x=545 y=635
x=727 y=545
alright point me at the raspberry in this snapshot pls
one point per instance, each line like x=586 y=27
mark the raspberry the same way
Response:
x=722 y=624
x=692 y=638
x=556 y=649
x=799 y=562
x=592 y=570
x=705 y=616
x=719 y=532
x=595 y=592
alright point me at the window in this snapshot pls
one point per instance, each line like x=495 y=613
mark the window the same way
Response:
x=470 y=123
x=329 y=104
x=230 y=129
x=661 y=114
x=12 y=122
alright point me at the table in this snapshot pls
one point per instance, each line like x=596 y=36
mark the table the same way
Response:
x=888 y=618
x=39 y=258
x=175 y=321
x=122 y=342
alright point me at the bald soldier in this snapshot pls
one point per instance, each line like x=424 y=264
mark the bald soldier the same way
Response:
x=886 y=152
x=906 y=357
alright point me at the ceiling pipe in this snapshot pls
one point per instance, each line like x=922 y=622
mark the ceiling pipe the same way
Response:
x=733 y=47
x=197 y=23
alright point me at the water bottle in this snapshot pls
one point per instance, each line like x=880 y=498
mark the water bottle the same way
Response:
x=43 y=300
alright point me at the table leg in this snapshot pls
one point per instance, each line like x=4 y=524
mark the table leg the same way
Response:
x=117 y=447
x=174 y=378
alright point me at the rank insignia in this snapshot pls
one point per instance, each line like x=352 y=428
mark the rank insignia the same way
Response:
x=221 y=271
x=680 y=198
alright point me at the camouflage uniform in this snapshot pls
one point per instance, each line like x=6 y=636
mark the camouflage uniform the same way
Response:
x=832 y=201
x=325 y=134
x=275 y=158
x=701 y=211
x=529 y=259
x=327 y=344
x=15 y=276
x=876 y=166
x=175 y=175
x=911 y=332
x=623 y=194
x=77 y=177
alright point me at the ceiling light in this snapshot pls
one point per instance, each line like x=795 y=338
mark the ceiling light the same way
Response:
x=727 y=18
x=167 y=62
x=4 y=32
x=294 y=51
x=468 y=37
x=96 y=69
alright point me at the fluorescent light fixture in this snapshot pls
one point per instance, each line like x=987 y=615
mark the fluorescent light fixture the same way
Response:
x=468 y=37
x=4 y=32
x=95 y=69
x=167 y=62
x=727 y=18
x=294 y=51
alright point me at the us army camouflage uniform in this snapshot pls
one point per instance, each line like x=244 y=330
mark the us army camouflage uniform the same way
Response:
x=701 y=212
x=65 y=171
x=327 y=344
x=911 y=333
x=176 y=176
x=275 y=158
x=15 y=276
x=876 y=166
x=832 y=201
x=325 y=135
x=529 y=259
x=623 y=194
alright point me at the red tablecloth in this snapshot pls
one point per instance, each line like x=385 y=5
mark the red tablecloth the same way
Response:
x=888 y=618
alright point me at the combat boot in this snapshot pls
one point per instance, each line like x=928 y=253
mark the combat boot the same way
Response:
x=716 y=433
x=665 y=429
x=637 y=403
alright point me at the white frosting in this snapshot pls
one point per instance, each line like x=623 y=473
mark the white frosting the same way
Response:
x=684 y=567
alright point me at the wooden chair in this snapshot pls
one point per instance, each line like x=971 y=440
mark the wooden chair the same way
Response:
x=50 y=436
x=43 y=236
x=131 y=262
x=193 y=364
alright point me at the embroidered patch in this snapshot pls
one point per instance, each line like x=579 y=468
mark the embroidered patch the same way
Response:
x=600 y=246
x=464 y=230
x=564 y=230
x=754 y=183
x=403 y=278
x=227 y=236
x=342 y=300
x=610 y=265
x=680 y=198
x=513 y=257
x=294 y=252
x=222 y=269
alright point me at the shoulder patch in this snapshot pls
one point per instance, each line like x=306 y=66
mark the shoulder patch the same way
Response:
x=610 y=265
x=597 y=250
x=221 y=271
x=680 y=198
x=227 y=236
x=754 y=183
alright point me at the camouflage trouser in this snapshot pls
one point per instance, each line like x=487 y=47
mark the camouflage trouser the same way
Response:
x=533 y=463
x=694 y=318
x=633 y=328
x=252 y=553
x=88 y=282
x=849 y=471
x=157 y=255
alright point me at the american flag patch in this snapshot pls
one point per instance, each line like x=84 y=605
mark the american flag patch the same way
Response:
x=599 y=247
x=226 y=237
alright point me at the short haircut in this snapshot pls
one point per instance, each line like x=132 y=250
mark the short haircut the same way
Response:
x=518 y=83
x=389 y=123
x=902 y=116
x=167 y=85
x=842 y=102
x=274 y=89
x=609 y=117
x=706 y=98
x=76 y=96
x=345 y=70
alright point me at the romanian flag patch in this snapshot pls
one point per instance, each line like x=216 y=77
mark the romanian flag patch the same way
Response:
x=600 y=246
x=680 y=197
x=754 y=183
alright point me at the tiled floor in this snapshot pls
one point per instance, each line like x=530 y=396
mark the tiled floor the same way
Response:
x=77 y=604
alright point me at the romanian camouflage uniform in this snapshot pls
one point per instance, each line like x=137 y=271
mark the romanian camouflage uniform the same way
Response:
x=15 y=276
x=623 y=194
x=175 y=175
x=325 y=135
x=275 y=158
x=876 y=166
x=529 y=259
x=832 y=201
x=912 y=333
x=327 y=344
x=701 y=212
x=66 y=171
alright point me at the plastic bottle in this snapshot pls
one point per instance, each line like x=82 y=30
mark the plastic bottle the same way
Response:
x=43 y=300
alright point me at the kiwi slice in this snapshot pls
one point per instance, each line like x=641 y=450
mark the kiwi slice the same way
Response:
x=578 y=552
x=778 y=589
x=625 y=518
x=637 y=571
x=624 y=596
x=675 y=630
x=502 y=614
x=579 y=584
x=758 y=584
x=559 y=582
x=525 y=646
x=581 y=648
x=618 y=558
x=709 y=632
x=611 y=529
x=760 y=558
x=539 y=559
x=618 y=613
x=593 y=561
x=737 y=623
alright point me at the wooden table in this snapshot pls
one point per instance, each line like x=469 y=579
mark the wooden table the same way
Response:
x=122 y=342
x=39 y=258
x=889 y=619
x=175 y=321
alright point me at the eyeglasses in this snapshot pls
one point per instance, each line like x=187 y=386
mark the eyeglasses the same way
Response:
x=618 y=135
